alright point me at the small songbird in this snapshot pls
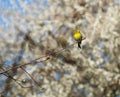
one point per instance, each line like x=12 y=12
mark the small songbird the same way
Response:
x=78 y=37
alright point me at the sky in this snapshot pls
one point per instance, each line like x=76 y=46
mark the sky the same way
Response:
x=14 y=4
x=8 y=5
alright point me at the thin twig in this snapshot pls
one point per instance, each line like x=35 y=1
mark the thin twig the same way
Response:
x=9 y=76
x=31 y=62
x=34 y=61
x=30 y=76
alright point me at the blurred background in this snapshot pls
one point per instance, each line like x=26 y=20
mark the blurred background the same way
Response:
x=31 y=29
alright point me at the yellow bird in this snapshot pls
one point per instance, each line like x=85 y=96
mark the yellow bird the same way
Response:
x=78 y=37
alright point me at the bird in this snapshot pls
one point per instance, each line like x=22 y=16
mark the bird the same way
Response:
x=78 y=37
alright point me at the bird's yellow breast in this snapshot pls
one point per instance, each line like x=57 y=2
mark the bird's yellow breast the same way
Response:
x=77 y=35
